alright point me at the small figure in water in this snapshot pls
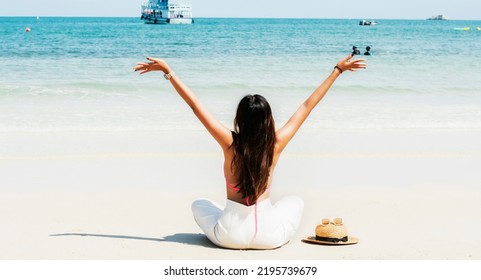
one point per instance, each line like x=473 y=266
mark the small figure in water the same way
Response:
x=368 y=50
x=355 y=50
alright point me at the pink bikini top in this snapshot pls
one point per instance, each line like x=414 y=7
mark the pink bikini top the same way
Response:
x=233 y=187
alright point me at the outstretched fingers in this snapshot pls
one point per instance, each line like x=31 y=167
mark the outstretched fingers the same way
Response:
x=141 y=66
x=152 y=64
x=351 y=64
x=357 y=64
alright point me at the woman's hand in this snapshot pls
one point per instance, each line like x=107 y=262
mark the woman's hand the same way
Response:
x=351 y=65
x=155 y=64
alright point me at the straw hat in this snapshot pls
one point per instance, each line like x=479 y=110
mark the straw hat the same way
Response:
x=331 y=233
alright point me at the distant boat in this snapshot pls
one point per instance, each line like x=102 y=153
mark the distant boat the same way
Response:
x=367 y=22
x=438 y=17
x=167 y=12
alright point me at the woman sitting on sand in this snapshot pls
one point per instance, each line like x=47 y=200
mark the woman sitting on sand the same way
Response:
x=251 y=151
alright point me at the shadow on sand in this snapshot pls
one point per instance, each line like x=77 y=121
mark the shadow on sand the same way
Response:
x=183 y=238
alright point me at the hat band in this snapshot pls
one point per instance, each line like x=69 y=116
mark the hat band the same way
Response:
x=332 y=240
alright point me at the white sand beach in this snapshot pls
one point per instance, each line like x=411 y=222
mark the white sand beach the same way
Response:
x=407 y=194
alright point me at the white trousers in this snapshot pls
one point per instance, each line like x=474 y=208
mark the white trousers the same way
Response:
x=260 y=226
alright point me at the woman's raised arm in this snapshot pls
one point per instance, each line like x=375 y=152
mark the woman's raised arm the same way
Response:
x=220 y=133
x=285 y=133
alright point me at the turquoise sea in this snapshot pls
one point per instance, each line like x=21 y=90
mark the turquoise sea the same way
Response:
x=75 y=74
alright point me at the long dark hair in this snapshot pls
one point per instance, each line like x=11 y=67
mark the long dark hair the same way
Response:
x=254 y=141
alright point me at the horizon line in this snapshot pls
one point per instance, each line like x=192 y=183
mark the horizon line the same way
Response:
x=232 y=17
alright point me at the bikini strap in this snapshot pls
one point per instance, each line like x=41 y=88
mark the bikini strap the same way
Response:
x=230 y=186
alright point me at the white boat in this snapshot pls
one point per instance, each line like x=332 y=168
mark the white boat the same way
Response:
x=438 y=17
x=367 y=22
x=167 y=12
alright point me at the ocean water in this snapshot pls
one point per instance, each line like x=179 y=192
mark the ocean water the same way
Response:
x=75 y=74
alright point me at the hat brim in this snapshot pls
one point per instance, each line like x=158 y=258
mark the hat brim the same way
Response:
x=350 y=240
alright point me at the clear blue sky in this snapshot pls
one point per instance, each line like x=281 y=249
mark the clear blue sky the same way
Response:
x=369 y=9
